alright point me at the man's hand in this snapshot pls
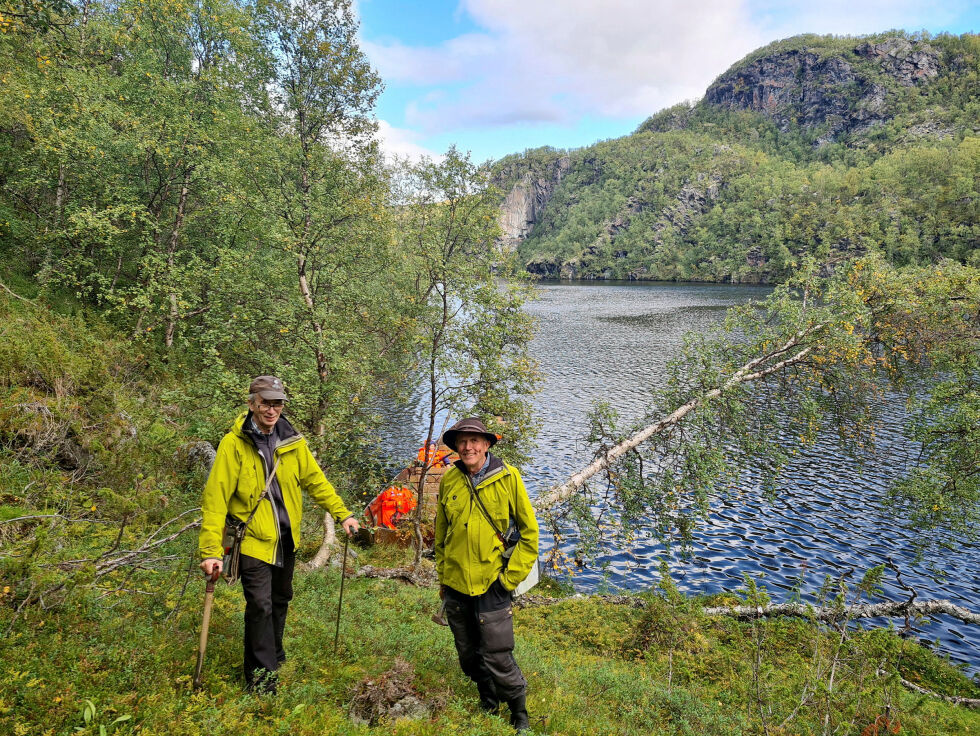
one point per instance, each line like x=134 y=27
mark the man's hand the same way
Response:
x=210 y=565
x=350 y=525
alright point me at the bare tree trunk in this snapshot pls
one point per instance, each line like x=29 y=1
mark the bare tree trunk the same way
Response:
x=973 y=703
x=433 y=410
x=745 y=374
x=829 y=614
x=858 y=610
x=303 y=277
x=322 y=556
x=83 y=26
x=59 y=195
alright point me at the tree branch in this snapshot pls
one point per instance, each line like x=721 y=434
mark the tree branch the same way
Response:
x=562 y=492
x=973 y=703
x=16 y=295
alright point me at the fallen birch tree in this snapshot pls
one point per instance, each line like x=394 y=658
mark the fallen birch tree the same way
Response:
x=832 y=614
x=973 y=703
x=745 y=374
x=815 y=357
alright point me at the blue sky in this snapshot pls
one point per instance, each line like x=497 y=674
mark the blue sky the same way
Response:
x=498 y=76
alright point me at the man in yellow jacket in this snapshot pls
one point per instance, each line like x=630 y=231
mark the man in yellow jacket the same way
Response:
x=260 y=440
x=482 y=500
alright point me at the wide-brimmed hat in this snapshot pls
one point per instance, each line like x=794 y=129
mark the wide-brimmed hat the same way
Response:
x=470 y=424
x=269 y=388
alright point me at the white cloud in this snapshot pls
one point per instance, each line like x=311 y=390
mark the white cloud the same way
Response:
x=403 y=143
x=556 y=61
x=453 y=61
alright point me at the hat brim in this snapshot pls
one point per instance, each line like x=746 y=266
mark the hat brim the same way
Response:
x=449 y=437
x=272 y=395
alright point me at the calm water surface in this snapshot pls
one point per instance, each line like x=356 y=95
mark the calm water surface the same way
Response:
x=611 y=342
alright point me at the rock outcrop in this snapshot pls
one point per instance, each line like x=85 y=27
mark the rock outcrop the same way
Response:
x=906 y=62
x=527 y=197
x=833 y=94
x=692 y=200
x=664 y=202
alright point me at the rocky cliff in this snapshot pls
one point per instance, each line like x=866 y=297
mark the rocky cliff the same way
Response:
x=530 y=184
x=833 y=95
x=786 y=156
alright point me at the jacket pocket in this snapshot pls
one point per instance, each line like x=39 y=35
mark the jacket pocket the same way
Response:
x=497 y=630
x=455 y=503
x=262 y=526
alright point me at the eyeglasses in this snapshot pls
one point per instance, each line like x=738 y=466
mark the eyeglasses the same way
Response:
x=265 y=405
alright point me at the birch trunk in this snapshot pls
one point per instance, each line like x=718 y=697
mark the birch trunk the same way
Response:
x=745 y=374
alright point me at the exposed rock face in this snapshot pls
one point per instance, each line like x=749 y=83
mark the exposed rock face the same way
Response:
x=527 y=199
x=908 y=63
x=830 y=89
x=799 y=86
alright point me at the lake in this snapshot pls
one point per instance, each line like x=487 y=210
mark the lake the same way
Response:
x=610 y=342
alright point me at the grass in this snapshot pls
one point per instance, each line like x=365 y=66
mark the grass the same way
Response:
x=593 y=668
x=82 y=435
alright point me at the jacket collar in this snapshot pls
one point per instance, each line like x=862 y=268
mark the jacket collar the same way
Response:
x=494 y=470
x=287 y=433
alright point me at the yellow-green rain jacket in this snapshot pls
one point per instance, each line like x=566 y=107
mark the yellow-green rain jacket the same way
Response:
x=469 y=555
x=237 y=480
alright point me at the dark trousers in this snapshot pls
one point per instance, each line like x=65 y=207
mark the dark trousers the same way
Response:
x=268 y=590
x=483 y=629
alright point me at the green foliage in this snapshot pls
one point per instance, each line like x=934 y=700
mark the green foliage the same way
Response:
x=177 y=167
x=585 y=671
x=707 y=193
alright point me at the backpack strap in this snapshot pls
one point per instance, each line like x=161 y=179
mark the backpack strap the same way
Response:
x=486 y=514
x=265 y=492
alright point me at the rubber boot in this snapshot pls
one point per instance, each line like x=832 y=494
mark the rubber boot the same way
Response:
x=488 y=696
x=518 y=714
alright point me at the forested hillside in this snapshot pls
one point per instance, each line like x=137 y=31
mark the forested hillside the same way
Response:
x=823 y=146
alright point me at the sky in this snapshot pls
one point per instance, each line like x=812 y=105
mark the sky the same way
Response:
x=494 y=77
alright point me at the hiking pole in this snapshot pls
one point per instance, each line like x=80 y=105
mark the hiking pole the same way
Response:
x=205 y=624
x=343 y=577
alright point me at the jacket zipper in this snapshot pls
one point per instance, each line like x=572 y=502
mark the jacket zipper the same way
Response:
x=276 y=558
x=279 y=557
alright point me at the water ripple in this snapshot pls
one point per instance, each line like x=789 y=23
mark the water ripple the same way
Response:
x=612 y=342
x=829 y=517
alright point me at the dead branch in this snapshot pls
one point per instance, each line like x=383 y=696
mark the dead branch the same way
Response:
x=745 y=374
x=860 y=610
x=16 y=295
x=128 y=557
x=886 y=609
x=58 y=516
x=973 y=703
x=423 y=577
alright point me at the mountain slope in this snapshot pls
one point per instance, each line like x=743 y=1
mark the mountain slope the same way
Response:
x=815 y=145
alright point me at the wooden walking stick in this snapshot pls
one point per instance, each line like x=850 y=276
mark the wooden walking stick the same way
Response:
x=343 y=577
x=208 y=601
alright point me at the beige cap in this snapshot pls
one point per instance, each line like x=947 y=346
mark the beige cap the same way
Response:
x=268 y=387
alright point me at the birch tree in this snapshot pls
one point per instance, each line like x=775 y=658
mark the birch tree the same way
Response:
x=473 y=334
